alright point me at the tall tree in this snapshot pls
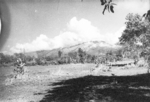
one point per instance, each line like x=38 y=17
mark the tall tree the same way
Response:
x=137 y=35
x=135 y=27
x=81 y=55
x=59 y=53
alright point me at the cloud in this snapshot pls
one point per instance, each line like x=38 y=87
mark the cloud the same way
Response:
x=114 y=38
x=40 y=43
x=78 y=31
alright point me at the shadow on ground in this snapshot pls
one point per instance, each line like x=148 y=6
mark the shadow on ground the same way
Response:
x=101 y=89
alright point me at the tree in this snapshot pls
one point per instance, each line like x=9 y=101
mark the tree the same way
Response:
x=137 y=30
x=1 y=58
x=59 y=53
x=119 y=54
x=6 y=59
x=109 y=56
x=137 y=36
x=81 y=55
x=73 y=55
x=135 y=27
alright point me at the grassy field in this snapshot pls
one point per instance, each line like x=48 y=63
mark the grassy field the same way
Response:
x=36 y=80
x=76 y=83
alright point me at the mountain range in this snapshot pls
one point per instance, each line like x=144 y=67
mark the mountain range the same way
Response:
x=91 y=47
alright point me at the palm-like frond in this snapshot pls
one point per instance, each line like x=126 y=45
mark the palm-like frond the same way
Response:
x=148 y=14
x=103 y=2
x=144 y=15
x=112 y=8
x=105 y=9
x=107 y=5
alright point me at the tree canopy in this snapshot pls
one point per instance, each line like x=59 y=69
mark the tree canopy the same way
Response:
x=137 y=30
x=136 y=35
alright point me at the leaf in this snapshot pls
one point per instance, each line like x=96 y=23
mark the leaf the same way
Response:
x=112 y=8
x=148 y=14
x=104 y=9
x=108 y=7
x=103 y=2
x=144 y=14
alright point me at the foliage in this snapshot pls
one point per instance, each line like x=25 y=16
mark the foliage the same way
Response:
x=108 y=4
x=59 y=53
x=137 y=31
x=110 y=56
x=119 y=54
x=20 y=55
x=135 y=27
x=64 y=60
x=147 y=15
x=5 y=59
x=136 y=36
x=50 y=58
x=73 y=55
x=81 y=55
x=90 y=58
x=40 y=61
x=28 y=58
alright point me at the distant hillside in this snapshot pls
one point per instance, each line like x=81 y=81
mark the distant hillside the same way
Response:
x=92 y=47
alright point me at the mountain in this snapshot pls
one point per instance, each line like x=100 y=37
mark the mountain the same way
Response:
x=91 y=47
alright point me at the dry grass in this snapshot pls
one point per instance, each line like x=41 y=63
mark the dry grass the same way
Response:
x=37 y=79
x=40 y=78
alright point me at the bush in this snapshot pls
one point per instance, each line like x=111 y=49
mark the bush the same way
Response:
x=31 y=63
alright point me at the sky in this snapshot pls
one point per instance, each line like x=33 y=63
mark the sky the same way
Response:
x=48 y=24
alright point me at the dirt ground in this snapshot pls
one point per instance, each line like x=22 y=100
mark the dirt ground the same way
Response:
x=39 y=80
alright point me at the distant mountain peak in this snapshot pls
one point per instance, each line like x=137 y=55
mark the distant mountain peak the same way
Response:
x=91 y=47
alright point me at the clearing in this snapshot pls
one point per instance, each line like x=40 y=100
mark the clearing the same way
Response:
x=76 y=83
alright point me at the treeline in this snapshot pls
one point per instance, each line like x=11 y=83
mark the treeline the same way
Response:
x=79 y=56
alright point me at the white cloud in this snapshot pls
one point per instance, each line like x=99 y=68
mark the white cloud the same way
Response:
x=40 y=43
x=77 y=31
x=114 y=38
x=84 y=29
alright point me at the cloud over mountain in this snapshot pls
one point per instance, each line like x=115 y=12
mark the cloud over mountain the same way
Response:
x=78 y=31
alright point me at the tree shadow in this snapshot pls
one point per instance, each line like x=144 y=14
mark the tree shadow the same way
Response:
x=101 y=89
